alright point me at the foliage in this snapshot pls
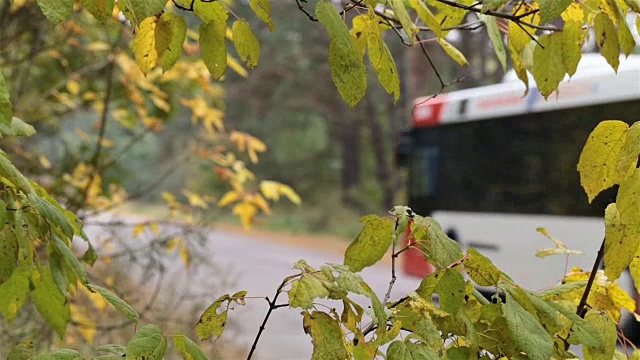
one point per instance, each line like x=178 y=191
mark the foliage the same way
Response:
x=557 y=53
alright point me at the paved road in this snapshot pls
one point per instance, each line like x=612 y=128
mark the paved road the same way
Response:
x=257 y=264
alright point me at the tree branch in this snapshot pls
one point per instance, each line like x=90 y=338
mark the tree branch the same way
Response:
x=272 y=306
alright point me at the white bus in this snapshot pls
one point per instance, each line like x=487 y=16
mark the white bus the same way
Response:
x=491 y=165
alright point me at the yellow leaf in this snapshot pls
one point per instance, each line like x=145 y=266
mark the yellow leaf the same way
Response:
x=427 y=17
x=144 y=45
x=154 y=228
x=548 y=69
x=246 y=211
x=520 y=37
x=172 y=244
x=228 y=198
x=195 y=199
x=86 y=325
x=621 y=243
x=572 y=37
x=607 y=39
x=607 y=331
x=519 y=67
x=184 y=254
x=246 y=43
x=270 y=190
x=44 y=161
x=287 y=191
x=261 y=203
x=138 y=229
x=73 y=86
x=621 y=298
x=599 y=157
x=454 y=53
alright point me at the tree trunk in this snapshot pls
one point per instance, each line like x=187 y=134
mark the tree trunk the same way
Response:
x=380 y=143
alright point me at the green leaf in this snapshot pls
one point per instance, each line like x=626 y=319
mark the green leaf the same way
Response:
x=22 y=351
x=56 y=11
x=572 y=37
x=246 y=43
x=347 y=70
x=433 y=242
x=371 y=244
x=451 y=290
x=480 y=269
x=383 y=64
x=582 y=332
x=628 y=156
x=549 y=317
x=453 y=53
x=120 y=305
x=70 y=259
x=188 y=349
x=112 y=348
x=426 y=16
x=526 y=331
x=170 y=33
x=212 y=11
x=50 y=302
x=100 y=9
x=9 y=172
x=607 y=39
x=401 y=350
x=621 y=240
x=625 y=38
x=551 y=9
x=491 y=23
x=262 y=9
x=213 y=47
x=16 y=128
x=6 y=110
x=60 y=354
x=326 y=336
x=147 y=344
x=8 y=255
x=13 y=294
x=58 y=270
x=492 y=5
x=562 y=288
x=608 y=332
x=599 y=157
x=345 y=61
x=138 y=10
x=400 y=11
x=52 y=214
x=211 y=322
x=305 y=290
x=548 y=69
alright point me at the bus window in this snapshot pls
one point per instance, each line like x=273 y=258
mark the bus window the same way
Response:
x=423 y=175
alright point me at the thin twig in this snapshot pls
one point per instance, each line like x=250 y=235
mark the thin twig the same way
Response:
x=272 y=306
x=582 y=306
x=311 y=17
x=104 y=116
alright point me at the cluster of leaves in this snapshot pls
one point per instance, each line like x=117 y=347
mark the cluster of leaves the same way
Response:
x=546 y=51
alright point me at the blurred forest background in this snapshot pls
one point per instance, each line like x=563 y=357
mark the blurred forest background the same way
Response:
x=339 y=160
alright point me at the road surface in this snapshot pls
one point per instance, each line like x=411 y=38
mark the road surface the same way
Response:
x=257 y=264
